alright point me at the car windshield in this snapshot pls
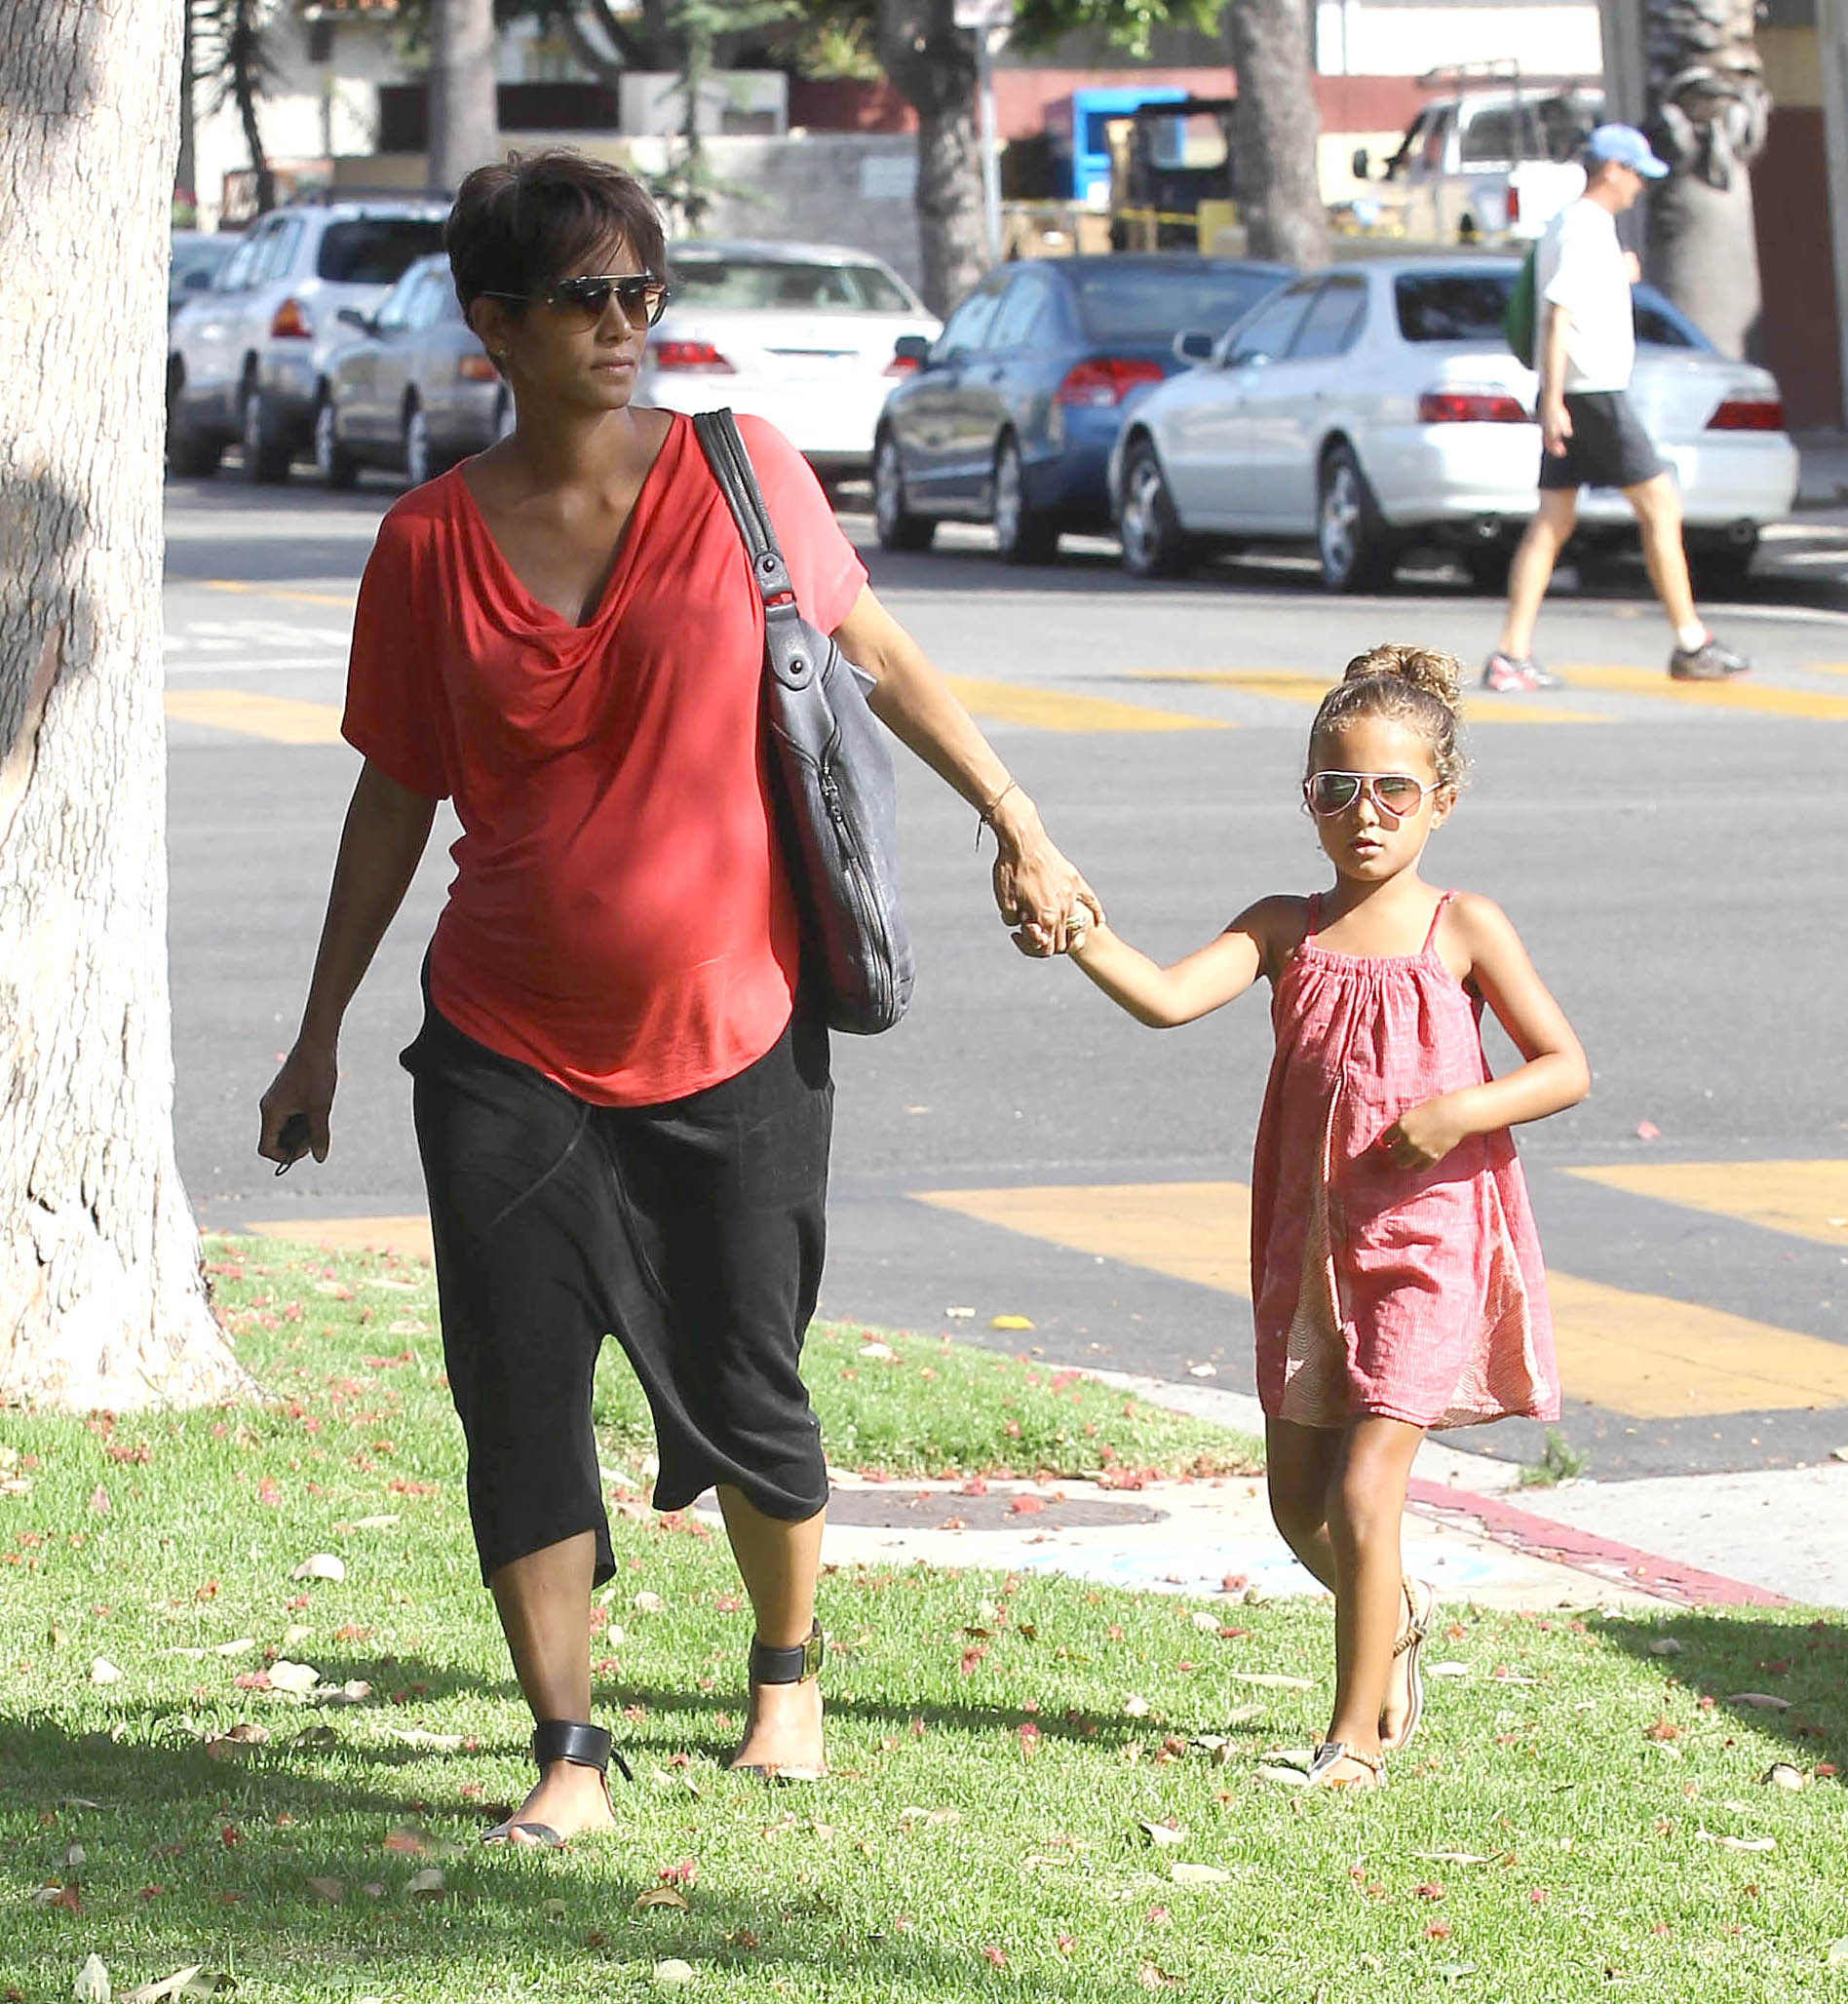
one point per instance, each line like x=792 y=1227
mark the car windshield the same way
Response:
x=1139 y=304
x=765 y=284
x=201 y=254
x=1468 y=306
x=375 y=250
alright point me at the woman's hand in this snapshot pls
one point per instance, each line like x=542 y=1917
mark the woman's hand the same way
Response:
x=1423 y=1135
x=303 y=1087
x=1036 y=890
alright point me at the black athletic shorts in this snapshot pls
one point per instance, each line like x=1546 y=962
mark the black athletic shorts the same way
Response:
x=693 y=1232
x=1608 y=446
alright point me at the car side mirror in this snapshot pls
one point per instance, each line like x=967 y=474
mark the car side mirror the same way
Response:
x=1192 y=345
x=1362 y=163
x=351 y=317
x=911 y=348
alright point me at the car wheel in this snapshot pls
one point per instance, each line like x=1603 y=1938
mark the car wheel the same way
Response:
x=899 y=528
x=1021 y=533
x=421 y=461
x=265 y=457
x=336 y=466
x=191 y=454
x=1153 y=543
x=1359 y=552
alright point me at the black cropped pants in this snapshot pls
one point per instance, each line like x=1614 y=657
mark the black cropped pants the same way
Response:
x=693 y=1232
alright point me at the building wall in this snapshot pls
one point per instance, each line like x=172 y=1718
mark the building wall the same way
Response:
x=1407 y=37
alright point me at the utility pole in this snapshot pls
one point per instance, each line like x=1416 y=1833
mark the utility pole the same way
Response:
x=983 y=16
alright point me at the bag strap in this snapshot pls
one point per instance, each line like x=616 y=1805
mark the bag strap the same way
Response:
x=786 y=652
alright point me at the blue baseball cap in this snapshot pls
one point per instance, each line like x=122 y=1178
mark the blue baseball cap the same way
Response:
x=1626 y=146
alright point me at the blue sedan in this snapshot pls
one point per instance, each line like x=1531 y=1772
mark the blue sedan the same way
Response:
x=1010 y=415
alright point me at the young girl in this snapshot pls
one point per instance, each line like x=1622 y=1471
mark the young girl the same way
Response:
x=1396 y=1274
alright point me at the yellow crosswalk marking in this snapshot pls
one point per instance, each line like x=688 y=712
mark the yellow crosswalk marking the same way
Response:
x=1809 y=1199
x=1756 y=698
x=1639 y=1354
x=284 y=719
x=1290 y=685
x=1053 y=710
x=410 y=1235
x=345 y=598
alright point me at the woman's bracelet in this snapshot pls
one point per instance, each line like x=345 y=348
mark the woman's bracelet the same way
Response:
x=984 y=818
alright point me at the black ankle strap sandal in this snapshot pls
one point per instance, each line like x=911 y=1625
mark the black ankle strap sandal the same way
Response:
x=562 y=1739
x=794 y=1663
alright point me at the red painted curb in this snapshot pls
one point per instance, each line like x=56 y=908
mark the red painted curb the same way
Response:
x=1642 y=1571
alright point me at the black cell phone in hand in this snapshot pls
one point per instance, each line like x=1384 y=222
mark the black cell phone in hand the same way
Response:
x=293 y=1141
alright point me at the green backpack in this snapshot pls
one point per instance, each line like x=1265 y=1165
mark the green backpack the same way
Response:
x=1521 y=311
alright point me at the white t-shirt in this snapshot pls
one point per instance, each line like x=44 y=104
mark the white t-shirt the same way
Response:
x=1580 y=266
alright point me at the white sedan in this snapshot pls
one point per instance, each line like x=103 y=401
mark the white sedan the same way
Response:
x=1376 y=407
x=803 y=334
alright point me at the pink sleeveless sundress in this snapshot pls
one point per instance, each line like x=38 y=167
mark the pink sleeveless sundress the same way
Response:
x=1419 y=1295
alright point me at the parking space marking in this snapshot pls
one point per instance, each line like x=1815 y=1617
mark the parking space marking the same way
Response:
x=1807 y=1199
x=1642 y=1355
x=1756 y=698
x=345 y=599
x=281 y=720
x=1053 y=710
x=1290 y=686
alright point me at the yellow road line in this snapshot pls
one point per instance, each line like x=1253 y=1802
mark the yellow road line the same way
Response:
x=345 y=598
x=1807 y=1199
x=283 y=720
x=406 y=1235
x=1644 y=1355
x=1756 y=698
x=1291 y=686
x=1051 y=709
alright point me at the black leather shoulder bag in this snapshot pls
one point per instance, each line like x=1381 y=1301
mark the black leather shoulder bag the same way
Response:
x=838 y=799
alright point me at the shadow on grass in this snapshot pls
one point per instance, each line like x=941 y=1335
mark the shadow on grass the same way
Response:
x=1738 y=1663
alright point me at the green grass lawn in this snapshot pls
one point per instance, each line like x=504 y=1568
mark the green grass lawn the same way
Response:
x=1572 y=1824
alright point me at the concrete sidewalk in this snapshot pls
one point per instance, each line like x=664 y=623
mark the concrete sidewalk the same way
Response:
x=1728 y=1540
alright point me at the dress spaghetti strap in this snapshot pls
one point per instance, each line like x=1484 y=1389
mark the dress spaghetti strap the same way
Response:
x=1431 y=938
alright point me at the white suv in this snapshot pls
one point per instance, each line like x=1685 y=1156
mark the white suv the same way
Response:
x=247 y=361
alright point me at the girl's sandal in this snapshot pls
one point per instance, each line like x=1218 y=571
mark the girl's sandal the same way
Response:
x=562 y=1739
x=796 y=1663
x=1410 y=1646
x=1329 y=1754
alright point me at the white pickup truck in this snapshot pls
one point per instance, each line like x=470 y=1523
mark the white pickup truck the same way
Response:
x=1482 y=166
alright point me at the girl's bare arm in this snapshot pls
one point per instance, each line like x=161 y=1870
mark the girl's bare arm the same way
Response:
x=1206 y=979
x=1554 y=1075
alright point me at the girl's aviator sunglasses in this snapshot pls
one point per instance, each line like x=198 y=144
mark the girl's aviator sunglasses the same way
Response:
x=642 y=297
x=1394 y=795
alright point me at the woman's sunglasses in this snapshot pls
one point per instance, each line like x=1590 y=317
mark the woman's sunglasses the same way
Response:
x=1395 y=794
x=643 y=298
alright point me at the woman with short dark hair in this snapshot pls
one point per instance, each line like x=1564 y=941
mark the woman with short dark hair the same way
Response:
x=620 y=1090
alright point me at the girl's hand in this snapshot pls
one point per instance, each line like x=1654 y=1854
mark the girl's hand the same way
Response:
x=1423 y=1135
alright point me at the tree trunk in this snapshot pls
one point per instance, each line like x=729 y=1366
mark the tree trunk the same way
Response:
x=186 y=167
x=1709 y=110
x=464 y=121
x=932 y=64
x=1275 y=171
x=246 y=60
x=101 y=1298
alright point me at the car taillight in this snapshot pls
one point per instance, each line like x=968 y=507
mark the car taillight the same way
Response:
x=1471 y=406
x=698 y=356
x=900 y=366
x=1513 y=204
x=476 y=368
x=291 y=323
x=1747 y=414
x=1104 y=380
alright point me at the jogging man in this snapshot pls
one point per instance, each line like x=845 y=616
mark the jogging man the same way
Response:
x=1585 y=347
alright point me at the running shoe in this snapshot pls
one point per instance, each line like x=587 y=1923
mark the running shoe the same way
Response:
x=1509 y=676
x=1707 y=663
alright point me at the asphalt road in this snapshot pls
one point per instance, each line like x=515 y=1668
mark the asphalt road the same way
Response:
x=1673 y=862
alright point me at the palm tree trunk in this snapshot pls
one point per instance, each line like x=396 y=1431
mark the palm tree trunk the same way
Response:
x=101 y=1298
x=1709 y=108
x=244 y=60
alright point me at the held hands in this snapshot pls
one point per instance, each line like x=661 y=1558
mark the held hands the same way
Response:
x=1423 y=1135
x=1044 y=901
x=302 y=1094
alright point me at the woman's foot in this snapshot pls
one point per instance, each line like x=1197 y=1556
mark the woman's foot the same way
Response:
x=1404 y=1707
x=782 y=1734
x=1350 y=1769
x=567 y=1800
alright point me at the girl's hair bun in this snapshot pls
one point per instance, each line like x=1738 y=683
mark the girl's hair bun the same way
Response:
x=1436 y=673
